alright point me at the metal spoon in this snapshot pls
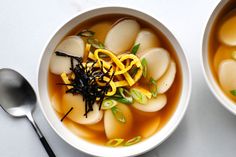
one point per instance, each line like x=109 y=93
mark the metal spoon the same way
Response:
x=18 y=99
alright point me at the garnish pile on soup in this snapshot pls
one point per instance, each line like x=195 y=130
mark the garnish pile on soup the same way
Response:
x=114 y=80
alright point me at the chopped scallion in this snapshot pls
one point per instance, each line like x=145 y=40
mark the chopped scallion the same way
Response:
x=153 y=87
x=133 y=141
x=115 y=142
x=145 y=66
x=133 y=71
x=95 y=43
x=138 y=96
x=126 y=94
x=122 y=100
x=135 y=49
x=233 y=92
x=121 y=90
x=123 y=96
x=118 y=114
x=108 y=103
x=86 y=33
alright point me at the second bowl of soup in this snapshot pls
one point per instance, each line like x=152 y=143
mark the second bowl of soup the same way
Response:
x=219 y=53
x=113 y=82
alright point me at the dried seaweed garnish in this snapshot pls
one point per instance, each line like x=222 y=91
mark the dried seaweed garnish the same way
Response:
x=86 y=81
x=66 y=114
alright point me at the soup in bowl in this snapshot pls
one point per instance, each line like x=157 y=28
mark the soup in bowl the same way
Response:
x=219 y=53
x=113 y=82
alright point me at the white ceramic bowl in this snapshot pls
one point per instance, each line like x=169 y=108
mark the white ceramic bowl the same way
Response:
x=211 y=81
x=98 y=150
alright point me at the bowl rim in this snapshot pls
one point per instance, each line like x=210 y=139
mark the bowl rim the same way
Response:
x=185 y=100
x=205 y=65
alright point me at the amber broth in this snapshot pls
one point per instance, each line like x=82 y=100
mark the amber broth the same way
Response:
x=173 y=93
x=213 y=43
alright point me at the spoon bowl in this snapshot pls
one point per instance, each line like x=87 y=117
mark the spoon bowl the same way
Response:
x=17 y=97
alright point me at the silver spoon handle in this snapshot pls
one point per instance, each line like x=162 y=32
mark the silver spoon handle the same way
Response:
x=40 y=135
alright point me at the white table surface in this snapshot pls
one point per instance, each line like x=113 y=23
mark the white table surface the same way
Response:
x=207 y=129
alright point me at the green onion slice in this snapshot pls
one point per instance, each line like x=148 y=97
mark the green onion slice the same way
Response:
x=126 y=94
x=233 y=92
x=121 y=90
x=135 y=49
x=118 y=114
x=123 y=96
x=138 y=96
x=133 y=141
x=86 y=33
x=115 y=142
x=108 y=104
x=95 y=43
x=133 y=71
x=234 y=55
x=145 y=67
x=153 y=87
x=122 y=100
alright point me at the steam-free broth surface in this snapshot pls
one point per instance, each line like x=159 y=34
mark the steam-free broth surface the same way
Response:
x=145 y=124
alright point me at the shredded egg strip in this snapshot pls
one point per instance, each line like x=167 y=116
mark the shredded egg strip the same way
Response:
x=123 y=63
